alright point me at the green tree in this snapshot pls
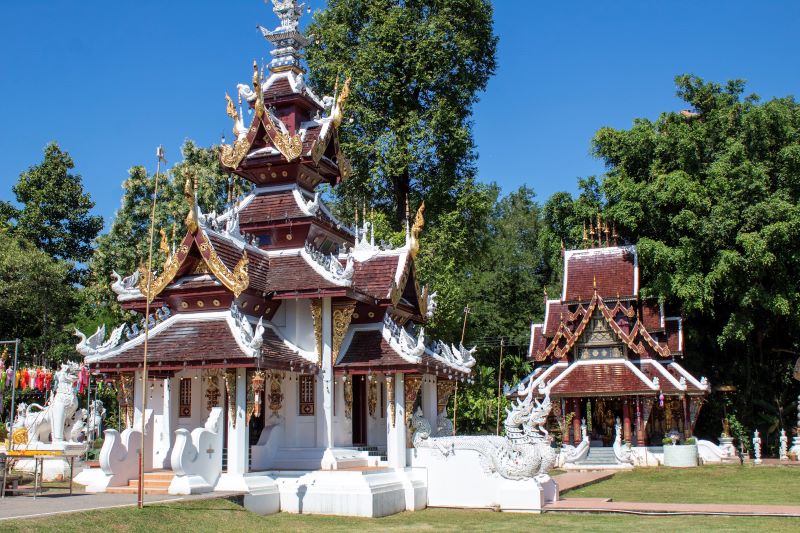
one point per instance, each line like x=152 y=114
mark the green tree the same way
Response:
x=36 y=298
x=417 y=67
x=55 y=210
x=712 y=196
x=124 y=248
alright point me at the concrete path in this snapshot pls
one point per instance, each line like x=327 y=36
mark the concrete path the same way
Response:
x=576 y=479
x=600 y=505
x=13 y=507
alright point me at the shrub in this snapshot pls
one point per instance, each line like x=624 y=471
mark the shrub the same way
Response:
x=691 y=440
x=666 y=441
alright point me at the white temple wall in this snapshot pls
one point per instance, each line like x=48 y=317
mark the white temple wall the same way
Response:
x=342 y=426
x=199 y=413
x=294 y=321
x=376 y=425
x=299 y=430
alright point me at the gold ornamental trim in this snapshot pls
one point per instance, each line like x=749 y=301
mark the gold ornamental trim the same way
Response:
x=171 y=268
x=390 y=398
x=372 y=397
x=316 y=315
x=413 y=383
x=291 y=146
x=348 y=398
x=231 y=156
x=238 y=280
x=230 y=390
x=416 y=229
x=444 y=388
x=341 y=321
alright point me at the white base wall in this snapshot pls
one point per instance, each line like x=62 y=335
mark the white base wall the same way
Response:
x=459 y=480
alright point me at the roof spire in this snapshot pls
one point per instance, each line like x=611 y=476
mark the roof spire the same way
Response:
x=287 y=38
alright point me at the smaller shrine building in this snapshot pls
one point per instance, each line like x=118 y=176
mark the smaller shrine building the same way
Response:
x=604 y=352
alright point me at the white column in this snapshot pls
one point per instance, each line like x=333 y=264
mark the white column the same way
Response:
x=325 y=420
x=237 y=436
x=396 y=434
x=162 y=448
x=137 y=396
x=429 y=398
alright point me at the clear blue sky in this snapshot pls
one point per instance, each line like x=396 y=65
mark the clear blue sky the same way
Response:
x=111 y=80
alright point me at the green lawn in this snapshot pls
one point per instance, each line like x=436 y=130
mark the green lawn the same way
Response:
x=705 y=484
x=202 y=516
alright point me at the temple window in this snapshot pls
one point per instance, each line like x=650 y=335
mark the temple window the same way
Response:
x=185 y=397
x=306 y=395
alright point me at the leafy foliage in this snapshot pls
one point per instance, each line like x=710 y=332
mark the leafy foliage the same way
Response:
x=54 y=214
x=416 y=69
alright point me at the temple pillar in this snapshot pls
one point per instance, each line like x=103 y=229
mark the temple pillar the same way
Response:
x=639 y=424
x=576 y=421
x=429 y=399
x=626 y=420
x=687 y=424
x=395 y=421
x=164 y=447
x=325 y=381
x=237 y=428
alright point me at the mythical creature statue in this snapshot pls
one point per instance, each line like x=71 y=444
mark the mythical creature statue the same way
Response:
x=97 y=414
x=128 y=287
x=96 y=343
x=524 y=452
x=57 y=417
x=622 y=452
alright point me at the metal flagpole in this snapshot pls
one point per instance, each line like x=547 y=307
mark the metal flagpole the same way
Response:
x=159 y=159
x=455 y=394
x=499 y=381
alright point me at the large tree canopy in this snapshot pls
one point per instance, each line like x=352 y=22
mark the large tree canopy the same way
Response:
x=711 y=195
x=416 y=68
x=55 y=213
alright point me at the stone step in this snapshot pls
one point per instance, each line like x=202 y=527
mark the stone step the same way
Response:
x=151 y=483
x=135 y=490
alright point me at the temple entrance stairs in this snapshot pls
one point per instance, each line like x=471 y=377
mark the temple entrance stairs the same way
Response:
x=374 y=451
x=600 y=458
x=156 y=482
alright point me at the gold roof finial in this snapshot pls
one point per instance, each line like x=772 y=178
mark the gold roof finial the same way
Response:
x=190 y=194
x=259 y=105
x=416 y=229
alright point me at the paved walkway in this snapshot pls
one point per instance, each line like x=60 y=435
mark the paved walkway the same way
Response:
x=27 y=507
x=577 y=479
x=601 y=505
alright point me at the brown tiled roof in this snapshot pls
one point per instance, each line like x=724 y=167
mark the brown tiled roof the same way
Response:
x=185 y=340
x=370 y=349
x=201 y=340
x=555 y=310
x=615 y=378
x=280 y=87
x=539 y=343
x=271 y=206
x=292 y=273
x=312 y=134
x=375 y=277
x=672 y=331
x=612 y=269
x=651 y=314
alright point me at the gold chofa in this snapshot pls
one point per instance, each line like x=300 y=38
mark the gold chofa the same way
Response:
x=416 y=229
x=189 y=190
x=338 y=109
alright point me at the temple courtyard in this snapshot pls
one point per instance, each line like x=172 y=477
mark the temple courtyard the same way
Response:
x=641 y=499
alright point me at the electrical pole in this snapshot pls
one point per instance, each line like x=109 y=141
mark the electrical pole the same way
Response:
x=499 y=381
x=460 y=346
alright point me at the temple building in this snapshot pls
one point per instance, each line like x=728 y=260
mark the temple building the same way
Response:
x=281 y=331
x=605 y=353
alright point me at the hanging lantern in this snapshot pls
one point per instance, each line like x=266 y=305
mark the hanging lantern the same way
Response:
x=258 y=388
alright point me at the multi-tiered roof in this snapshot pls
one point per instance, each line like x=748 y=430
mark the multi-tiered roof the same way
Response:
x=601 y=337
x=220 y=288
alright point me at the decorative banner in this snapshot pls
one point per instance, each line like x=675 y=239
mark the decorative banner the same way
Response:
x=348 y=398
x=372 y=397
x=390 y=398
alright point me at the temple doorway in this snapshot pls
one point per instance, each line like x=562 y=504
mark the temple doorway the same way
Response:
x=359 y=410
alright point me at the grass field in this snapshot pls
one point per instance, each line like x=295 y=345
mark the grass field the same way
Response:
x=203 y=516
x=706 y=484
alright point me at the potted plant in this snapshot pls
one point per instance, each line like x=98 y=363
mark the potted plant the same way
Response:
x=680 y=455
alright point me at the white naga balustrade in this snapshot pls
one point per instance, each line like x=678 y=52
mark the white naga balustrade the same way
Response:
x=119 y=457
x=197 y=456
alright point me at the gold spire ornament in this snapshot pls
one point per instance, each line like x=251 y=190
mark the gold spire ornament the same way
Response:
x=164 y=245
x=231 y=109
x=338 y=108
x=259 y=105
x=416 y=229
x=189 y=193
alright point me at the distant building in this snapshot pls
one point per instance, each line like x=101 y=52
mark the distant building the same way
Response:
x=604 y=352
